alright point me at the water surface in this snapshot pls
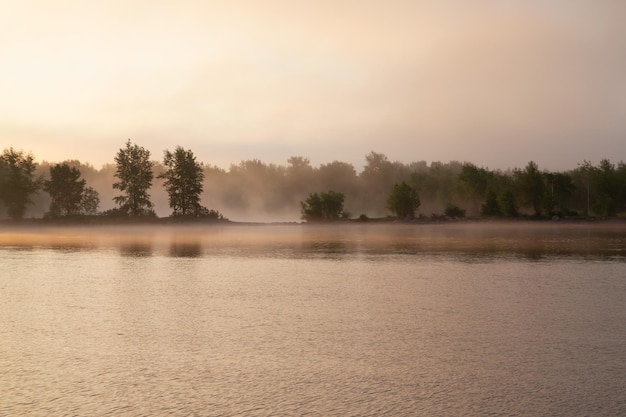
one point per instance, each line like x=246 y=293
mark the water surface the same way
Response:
x=297 y=320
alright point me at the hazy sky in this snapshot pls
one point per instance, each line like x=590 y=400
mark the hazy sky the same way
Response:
x=497 y=83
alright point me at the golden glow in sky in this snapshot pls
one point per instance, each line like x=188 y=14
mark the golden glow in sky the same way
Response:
x=497 y=83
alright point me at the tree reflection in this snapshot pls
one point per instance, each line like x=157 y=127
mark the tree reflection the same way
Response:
x=186 y=248
x=136 y=249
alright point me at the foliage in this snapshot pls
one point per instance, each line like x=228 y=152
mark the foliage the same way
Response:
x=531 y=186
x=134 y=172
x=262 y=191
x=90 y=201
x=183 y=182
x=69 y=195
x=403 y=201
x=508 y=205
x=491 y=207
x=323 y=206
x=454 y=212
x=17 y=181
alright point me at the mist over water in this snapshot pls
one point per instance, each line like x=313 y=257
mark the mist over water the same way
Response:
x=330 y=320
x=604 y=240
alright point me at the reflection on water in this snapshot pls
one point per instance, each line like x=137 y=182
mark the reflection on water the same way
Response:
x=136 y=248
x=306 y=320
x=484 y=240
x=181 y=247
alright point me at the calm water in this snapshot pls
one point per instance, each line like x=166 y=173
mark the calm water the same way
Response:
x=318 y=321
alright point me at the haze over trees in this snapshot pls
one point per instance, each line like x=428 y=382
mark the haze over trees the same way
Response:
x=253 y=190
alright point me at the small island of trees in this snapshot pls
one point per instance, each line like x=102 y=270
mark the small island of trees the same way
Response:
x=136 y=186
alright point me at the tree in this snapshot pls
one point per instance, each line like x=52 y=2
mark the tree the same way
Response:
x=183 y=182
x=65 y=189
x=507 y=204
x=607 y=187
x=491 y=207
x=90 y=201
x=323 y=206
x=559 y=188
x=17 y=181
x=531 y=186
x=403 y=201
x=454 y=211
x=134 y=171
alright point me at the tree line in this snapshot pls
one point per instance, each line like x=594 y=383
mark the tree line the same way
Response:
x=135 y=185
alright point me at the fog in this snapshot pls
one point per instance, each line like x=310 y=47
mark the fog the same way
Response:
x=481 y=240
x=256 y=191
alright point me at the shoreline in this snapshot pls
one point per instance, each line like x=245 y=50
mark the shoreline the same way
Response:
x=169 y=221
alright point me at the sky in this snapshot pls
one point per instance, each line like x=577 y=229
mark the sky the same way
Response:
x=493 y=82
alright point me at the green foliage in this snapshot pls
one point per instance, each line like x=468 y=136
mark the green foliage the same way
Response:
x=90 y=201
x=183 y=182
x=68 y=193
x=17 y=181
x=454 y=212
x=507 y=204
x=323 y=207
x=273 y=191
x=403 y=201
x=530 y=183
x=491 y=207
x=134 y=171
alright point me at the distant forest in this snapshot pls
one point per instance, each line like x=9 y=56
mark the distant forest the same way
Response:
x=253 y=190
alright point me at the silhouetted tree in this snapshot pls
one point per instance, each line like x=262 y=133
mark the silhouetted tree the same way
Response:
x=454 y=211
x=531 y=186
x=90 y=201
x=323 y=206
x=491 y=207
x=134 y=171
x=507 y=204
x=65 y=189
x=403 y=201
x=17 y=181
x=605 y=182
x=558 y=190
x=183 y=182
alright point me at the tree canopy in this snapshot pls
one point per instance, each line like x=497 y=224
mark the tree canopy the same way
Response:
x=259 y=191
x=183 y=182
x=17 y=181
x=323 y=207
x=403 y=201
x=69 y=194
x=134 y=173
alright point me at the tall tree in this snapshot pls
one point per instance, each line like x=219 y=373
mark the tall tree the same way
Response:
x=17 y=181
x=490 y=207
x=530 y=183
x=134 y=171
x=403 y=201
x=183 y=182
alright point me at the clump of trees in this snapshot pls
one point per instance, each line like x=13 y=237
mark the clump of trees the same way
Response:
x=403 y=201
x=323 y=207
x=69 y=194
x=17 y=181
x=181 y=186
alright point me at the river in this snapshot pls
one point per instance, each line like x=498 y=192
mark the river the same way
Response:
x=297 y=320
